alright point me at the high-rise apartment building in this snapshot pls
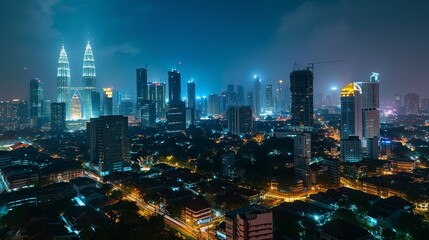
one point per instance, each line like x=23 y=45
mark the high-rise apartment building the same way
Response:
x=240 y=120
x=108 y=144
x=64 y=81
x=301 y=90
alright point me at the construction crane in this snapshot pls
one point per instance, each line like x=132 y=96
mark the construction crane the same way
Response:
x=311 y=65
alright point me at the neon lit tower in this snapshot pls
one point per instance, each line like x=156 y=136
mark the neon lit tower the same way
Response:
x=89 y=81
x=64 y=81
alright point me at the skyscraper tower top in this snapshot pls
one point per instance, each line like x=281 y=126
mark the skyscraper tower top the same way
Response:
x=64 y=81
x=63 y=69
x=88 y=62
x=350 y=90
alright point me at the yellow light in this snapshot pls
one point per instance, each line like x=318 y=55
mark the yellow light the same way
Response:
x=108 y=92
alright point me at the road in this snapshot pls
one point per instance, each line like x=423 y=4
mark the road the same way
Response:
x=173 y=223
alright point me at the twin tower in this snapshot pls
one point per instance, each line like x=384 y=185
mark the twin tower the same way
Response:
x=81 y=102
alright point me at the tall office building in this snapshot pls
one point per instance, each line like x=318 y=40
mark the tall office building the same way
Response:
x=240 y=96
x=107 y=101
x=214 y=103
x=64 y=81
x=141 y=80
x=174 y=86
x=176 y=117
x=108 y=144
x=231 y=96
x=191 y=94
x=176 y=110
x=96 y=105
x=89 y=82
x=36 y=98
x=250 y=100
x=58 y=117
x=156 y=93
x=46 y=108
x=269 y=98
x=76 y=106
x=250 y=222
x=412 y=102
x=301 y=90
x=256 y=96
x=240 y=120
x=370 y=115
x=147 y=113
x=351 y=123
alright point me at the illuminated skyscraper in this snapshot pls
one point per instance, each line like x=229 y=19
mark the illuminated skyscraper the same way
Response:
x=191 y=94
x=301 y=90
x=351 y=123
x=256 y=96
x=156 y=93
x=141 y=80
x=176 y=110
x=36 y=98
x=76 y=106
x=64 y=81
x=370 y=115
x=174 y=87
x=107 y=101
x=89 y=82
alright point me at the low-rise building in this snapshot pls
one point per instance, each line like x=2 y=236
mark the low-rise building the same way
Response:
x=251 y=222
x=196 y=212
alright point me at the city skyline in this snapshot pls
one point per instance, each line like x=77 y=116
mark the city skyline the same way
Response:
x=270 y=38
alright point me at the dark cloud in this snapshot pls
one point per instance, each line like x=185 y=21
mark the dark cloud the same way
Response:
x=217 y=42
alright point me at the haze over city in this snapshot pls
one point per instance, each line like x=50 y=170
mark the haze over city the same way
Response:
x=216 y=42
x=214 y=120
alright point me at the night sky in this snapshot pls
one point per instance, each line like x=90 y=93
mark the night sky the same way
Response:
x=217 y=42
